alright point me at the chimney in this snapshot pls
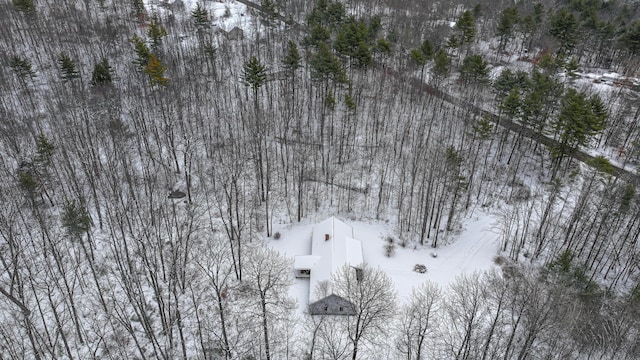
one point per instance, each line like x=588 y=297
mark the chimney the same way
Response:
x=359 y=275
x=326 y=237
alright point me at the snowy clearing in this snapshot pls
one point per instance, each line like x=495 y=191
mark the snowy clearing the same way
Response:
x=226 y=15
x=473 y=251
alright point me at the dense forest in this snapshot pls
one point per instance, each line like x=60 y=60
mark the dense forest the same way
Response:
x=148 y=148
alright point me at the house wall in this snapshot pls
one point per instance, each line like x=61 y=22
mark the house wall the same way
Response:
x=332 y=305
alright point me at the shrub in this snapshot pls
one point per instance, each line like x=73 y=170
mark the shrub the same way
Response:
x=389 y=249
x=499 y=260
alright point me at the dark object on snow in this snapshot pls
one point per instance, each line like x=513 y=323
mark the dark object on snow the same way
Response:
x=235 y=34
x=359 y=275
x=420 y=268
x=176 y=194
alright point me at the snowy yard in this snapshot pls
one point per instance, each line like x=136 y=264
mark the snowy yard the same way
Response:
x=473 y=250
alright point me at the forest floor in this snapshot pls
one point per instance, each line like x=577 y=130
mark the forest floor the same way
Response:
x=473 y=250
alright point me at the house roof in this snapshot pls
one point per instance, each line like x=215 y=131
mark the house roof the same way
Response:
x=305 y=262
x=329 y=255
x=332 y=305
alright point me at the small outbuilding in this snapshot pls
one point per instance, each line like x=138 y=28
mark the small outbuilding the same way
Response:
x=235 y=34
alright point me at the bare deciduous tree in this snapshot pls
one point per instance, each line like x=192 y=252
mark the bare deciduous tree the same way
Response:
x=419 y=318
x=373 y=296
x=268 y=277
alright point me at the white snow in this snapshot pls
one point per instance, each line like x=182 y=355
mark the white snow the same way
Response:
x=472 y=251
x=333 y=246
x=225 y=14
x=237 y=16
x=615 y=155
x=612 y=76
x=305 y=262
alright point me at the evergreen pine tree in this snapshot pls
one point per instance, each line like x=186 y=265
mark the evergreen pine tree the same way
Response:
x=326 y=13
x=550 y=65
x=528 y=25
x=200 y=16
x=156 y=32
x=580 y=118
x=630 y=38
x=571 y=67
x=628 y=194
x=532 y=110
x=362 y=55
x=155 y=70
x=538 y=12
x=325 y=65
x=353 y=40
x=22 y=67
x=453 y=42
x=254 y=73
x=474 y=69
x=540 y=100
x=375 y=24
x=467 y=27
x=511 y=104
x=563 y=25
x=441 y=65
x=318 y=34
x=384 y=46
x=26 y=6
x=349 y=102
x=210 y=53
x=28 y=181
x=599 y=112
x=508 y=80
x=67 y=68
x=44 y=151
x=75 y=218
x=268 y=6
x=477 y=10
x=291 y=60
x=32 y=175
x=423 y=53
x=427 y=49
x=138 y=6
x=142 y=52
x=330 y=101
x=101 y=73
x=269 y=10
x=418 y=57
x=483 y=129
x=508 y=19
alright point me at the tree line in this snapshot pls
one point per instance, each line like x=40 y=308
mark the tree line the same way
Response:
x=146 y=156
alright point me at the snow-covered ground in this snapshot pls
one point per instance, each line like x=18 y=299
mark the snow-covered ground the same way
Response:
x=226 y=15
x=473 y=250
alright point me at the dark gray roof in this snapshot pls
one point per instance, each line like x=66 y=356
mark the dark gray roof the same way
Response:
x=332 y=305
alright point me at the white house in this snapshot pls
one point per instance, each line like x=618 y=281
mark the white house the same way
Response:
x=332 y=246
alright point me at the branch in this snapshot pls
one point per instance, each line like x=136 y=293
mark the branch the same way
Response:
x=22 y=307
